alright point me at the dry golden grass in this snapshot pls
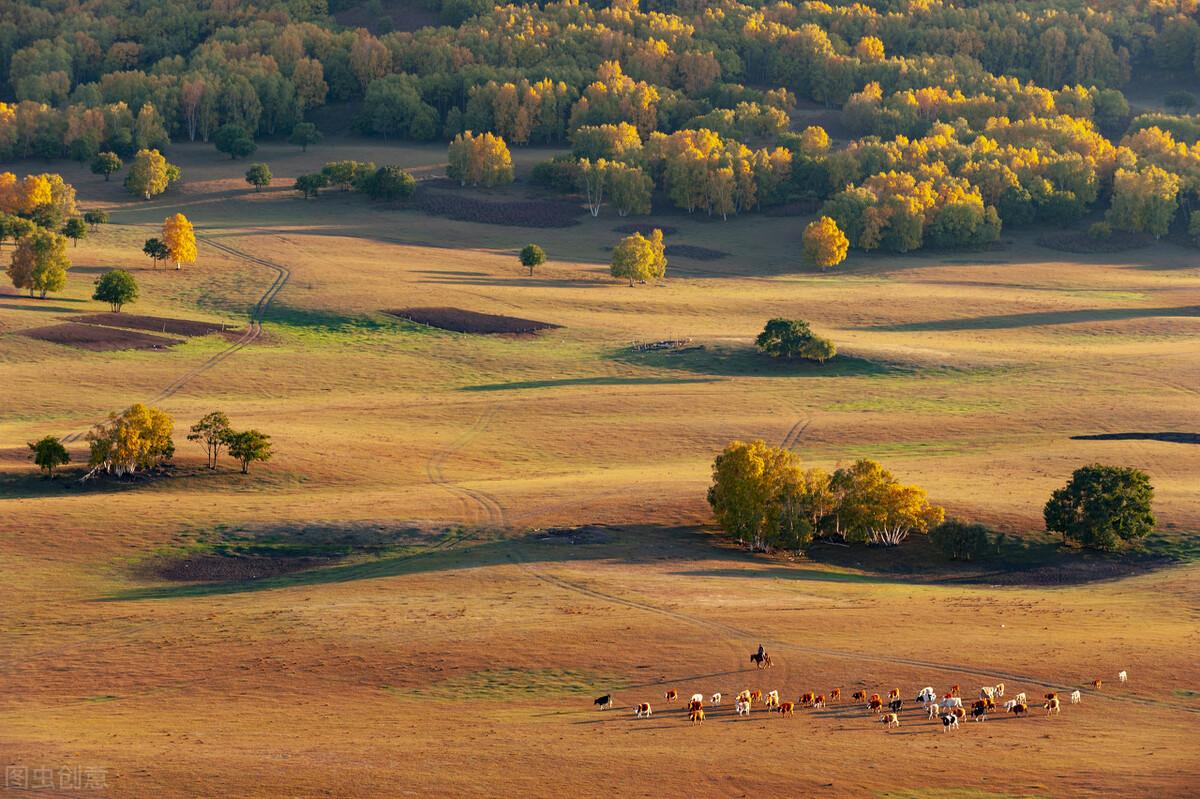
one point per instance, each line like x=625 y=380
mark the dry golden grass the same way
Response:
x=465 y=664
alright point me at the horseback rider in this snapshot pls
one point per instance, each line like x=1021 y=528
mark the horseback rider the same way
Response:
x=761 y=652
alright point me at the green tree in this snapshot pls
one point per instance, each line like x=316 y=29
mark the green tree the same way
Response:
x=214 y=432
x=304 y=134
x=309 y=185
x=95 y=218
x=1102 y=507
x=106 y=164
x=1144 y=200
x=248 y=446
x=117 y=288
x=792 y=338
x=1179 y=101
x=640 y=259
x=234 y=141
x=49 y=453
x=959 y=540
x=1193 y=226
x=258 y=175
x=156 y=250
x=150 y=174
x=389 y=183
x=75 y=229
x=532 y=256
x=39 y=263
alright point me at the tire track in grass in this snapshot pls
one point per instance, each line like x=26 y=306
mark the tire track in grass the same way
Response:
x=253 y=329
x=482 y=506
x=739 y=634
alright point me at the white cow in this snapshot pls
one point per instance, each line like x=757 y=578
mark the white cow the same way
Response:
x=716 y=698
x=643 y=710
x=1021 y=698
x=1076 y=697
x=932 y=709
x=949 y=722
x=999 y=689
x=927 y=695
x=697 y=698
x=1122 y=676
x=951 y=702
x=742 y=708
x=987 y=692
x=1010 y=704
x=772 y=699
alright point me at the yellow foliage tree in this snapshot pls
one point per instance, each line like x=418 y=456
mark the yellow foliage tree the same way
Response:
x=40 y=263
x=825 y=245
x=35 y=192
x=180 y=238
x=149 y=174
x=479 y=160
x=869 y=48
x=138 y=438
x=640 y=258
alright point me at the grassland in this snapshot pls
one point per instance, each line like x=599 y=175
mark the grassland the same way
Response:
x=449 y=650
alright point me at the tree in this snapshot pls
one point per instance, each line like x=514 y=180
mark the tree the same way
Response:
x=389 y=183
x=234 y=140
x=792 y=338
x=258 y=175
x=1102 y=507
x=1194 y=226
x=309 y=185
x=48 y=454
x=138 y=438
x=629 y=188
x=873 y=506
x=1144 y=200
x=825 y=245
x=150 y=174
x=639 y=258
x=1179 y=101
x=479 y=160
x=95 y=218
x=75 y=229
x=106 y=164
x=180 y=239
x=304 y=134
x=531 y=256
x=250 y=445
x=156 y=250
x=214 y=432
x=117 y=288
x=959 y=540
x=39 y=263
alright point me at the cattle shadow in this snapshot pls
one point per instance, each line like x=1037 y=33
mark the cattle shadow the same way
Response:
x=1038 y=319
x=1167 y=437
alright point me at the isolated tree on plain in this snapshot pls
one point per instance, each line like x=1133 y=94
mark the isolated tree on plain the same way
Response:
x=311 y=184
x=150 y=174
x=180 y=239
x=1102 y=507
x=640 y=259
x=875 y=507
x=156 y=250
x=117 y=288
x=792 y=338
x=825 y=245
x=95 y=218
x=304 y=134
x=532 y=256
x=258 y=175
x=214 y=432
x=48 y=454
x=135 y=439
x=40 y=263
x=75 y=229
x=234 y=141
x=249 y=446
x=106 y=164
x=959 y=540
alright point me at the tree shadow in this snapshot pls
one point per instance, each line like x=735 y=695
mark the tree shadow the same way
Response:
x=32 y=484
x=602 y=380
x=1171 y=438
x=725 y=361
x=1039 y=318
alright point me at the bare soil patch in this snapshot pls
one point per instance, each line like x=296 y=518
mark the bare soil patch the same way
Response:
x=695 y=253
x=1080 y=242
x=99 y=339
x=512 y=213
x=645 y=228
x=218 y=568
x=584 y=534
x=463 y=321
x=157 y=324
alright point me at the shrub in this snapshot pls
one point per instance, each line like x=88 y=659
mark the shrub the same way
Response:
x=792 y=338
x=959 y=540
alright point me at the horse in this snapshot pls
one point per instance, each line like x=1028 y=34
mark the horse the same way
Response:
x=763 y=661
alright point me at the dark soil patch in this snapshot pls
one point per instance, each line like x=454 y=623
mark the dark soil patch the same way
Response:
x=1075 y=573
x=217 y=568
x=99 y=339
x=156 y=324
x=1170 y=438
x=645 y=228
x=585 y=534
x=1080 y=242
x=695 y=253
x=514 y=213
x=462 y=321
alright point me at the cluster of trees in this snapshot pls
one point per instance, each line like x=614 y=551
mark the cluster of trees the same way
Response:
x=177 y=242
x=149 y=175
x=33 y=211
x=764 y=498
x=479 y=160
x=139 y=438
x=388 y=182
x=1102 y=507
x=639 y=258
x=793 y=339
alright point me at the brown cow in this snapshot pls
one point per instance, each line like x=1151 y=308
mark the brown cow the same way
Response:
x=954 y=690
x=875 y=705
x=643 y=709
x=835 y=695
x=697 y=716
x=806 y=699
x=988 y=703
x=695 y=704
x=894 y=693
x=819 y=701
x=960 y=712
x=1053 y=706
x=756 y=696
x=786 y=708
x=1019 y=709
x=1097 y=684
x=672 y=695
x=859 y=696
x=890 y=720
x=1050 y=695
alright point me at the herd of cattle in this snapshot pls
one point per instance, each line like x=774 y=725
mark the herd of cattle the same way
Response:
x=948 y=707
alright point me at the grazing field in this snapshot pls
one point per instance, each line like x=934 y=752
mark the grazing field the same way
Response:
x=397 y=604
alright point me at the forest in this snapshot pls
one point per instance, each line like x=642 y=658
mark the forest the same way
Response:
x=957 y=120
